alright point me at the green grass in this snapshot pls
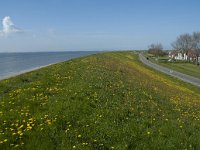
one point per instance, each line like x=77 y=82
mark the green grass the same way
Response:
x=103 y=101
x=184 y=67
x=181 y=66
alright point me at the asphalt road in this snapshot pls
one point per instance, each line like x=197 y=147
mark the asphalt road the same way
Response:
x=181 y=76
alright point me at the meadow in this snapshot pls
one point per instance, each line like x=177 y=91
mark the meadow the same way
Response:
x=103 y=101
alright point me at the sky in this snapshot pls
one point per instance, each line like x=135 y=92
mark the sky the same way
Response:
x=86 y=25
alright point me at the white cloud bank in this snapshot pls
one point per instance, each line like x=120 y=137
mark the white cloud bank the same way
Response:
x=8 y=27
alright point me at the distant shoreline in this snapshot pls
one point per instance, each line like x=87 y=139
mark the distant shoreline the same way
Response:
x=31 y=60
x=25 y=71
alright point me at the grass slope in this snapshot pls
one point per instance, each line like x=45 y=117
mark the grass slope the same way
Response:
x=103 y=101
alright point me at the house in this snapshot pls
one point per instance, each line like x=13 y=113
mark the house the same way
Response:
x=178 y=55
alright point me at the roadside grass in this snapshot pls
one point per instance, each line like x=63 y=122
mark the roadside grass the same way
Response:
x=184 y=67
x=181 y=66
x=103 y=101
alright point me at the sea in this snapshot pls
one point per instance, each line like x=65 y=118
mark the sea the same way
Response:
x=12 y=64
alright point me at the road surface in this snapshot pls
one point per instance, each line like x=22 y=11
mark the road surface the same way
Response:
x=181 y=76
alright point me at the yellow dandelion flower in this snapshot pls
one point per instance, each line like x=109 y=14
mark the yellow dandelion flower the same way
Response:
x=21 y=134
x=21 y=126
x=16 y=146
x=31 y=119
x=79 y=136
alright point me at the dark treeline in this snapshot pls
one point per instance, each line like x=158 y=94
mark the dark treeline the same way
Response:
x=156 y=50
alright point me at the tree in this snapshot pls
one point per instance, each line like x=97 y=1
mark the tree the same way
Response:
x=156 y=49
x=196 y=45
x=184 y=43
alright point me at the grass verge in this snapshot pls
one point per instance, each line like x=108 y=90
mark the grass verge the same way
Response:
x=184 y=67
x=181 y=66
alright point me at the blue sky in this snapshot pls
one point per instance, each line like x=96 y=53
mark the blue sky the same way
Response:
x=70 y=25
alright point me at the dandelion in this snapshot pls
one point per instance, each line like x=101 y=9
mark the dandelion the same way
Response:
x=16 y=146
x=67 y=130
x=21 y=134
x=21 y=126
x=79 y=136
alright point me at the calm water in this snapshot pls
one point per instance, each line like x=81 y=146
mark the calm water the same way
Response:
x=15 y=63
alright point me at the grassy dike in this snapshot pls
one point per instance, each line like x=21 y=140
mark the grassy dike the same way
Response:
x=102 y=101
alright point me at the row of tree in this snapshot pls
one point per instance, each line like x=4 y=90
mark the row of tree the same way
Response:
x=156 y=50
x=188 y=43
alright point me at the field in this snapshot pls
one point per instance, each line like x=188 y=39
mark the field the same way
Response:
x=181 y=66
x=102 y=101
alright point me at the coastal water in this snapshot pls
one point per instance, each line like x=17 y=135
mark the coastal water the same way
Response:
x=16 y=63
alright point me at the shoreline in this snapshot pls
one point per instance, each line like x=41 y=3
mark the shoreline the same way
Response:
x=25 y=71
x=14 y=74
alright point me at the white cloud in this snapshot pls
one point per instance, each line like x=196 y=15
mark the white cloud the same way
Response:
x=8 y=27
